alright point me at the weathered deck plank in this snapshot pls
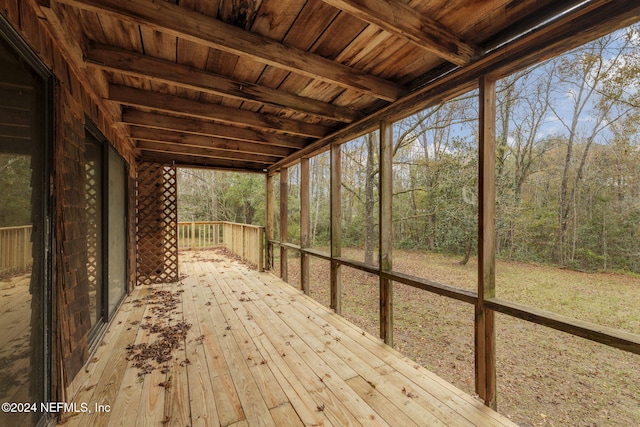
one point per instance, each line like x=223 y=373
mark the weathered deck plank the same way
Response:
x=259 y=352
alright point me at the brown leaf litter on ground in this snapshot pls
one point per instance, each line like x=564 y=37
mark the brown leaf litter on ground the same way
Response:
x=148 y=357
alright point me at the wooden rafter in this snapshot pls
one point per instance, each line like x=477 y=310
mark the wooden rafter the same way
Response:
x=592 y=20
x=403 y=21
x=172 y=148
x=187 y=107
x=201 y=127
x=191 y=160
x=158 y=70
x=193 y=26
x=187 y=139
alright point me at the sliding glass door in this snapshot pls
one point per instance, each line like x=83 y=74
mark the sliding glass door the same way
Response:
x=116 y=230
x=24 y=236
x=106 y=207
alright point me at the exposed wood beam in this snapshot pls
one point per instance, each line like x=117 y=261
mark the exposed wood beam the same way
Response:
x=158 y=70
x=593 y=20
x=335 y=225
x=617 y=338
x=269 y=211
x=172 y=148
x=201 y=127
x=529 y=21
x=188 y=107
x=385 y=230
x=470 y=297
x=190 y=160
x=484 y=325
x=68 y=34
x=305 y=238
x=187 y=139
x=284 y=223
x=402 y=20
x=199 y=28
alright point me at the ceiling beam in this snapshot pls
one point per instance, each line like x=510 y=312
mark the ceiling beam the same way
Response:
x=402 y=20
x=206 y=128
x=202 y=29
x=187 y=107
x=188 y=139
x=158 y=70
x=191 y=160
x=588 y=22
x=171 y=148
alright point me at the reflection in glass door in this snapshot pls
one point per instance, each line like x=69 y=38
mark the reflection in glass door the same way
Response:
x=24 y=269
x=116 y=230
x=93 y=205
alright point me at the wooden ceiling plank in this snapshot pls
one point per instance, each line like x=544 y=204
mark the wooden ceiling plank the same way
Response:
x=135 y=64
x=190 y=160
x=286 y=11
x=340 y=34
x=403 y=21
x=190 y=54
x=159 y=135
x=72 y=48
x=312 y=21
x=590 y=21
x=187 y=107
x=169 y=147
x=190 y=25
x=209 y=8
x=201 y=127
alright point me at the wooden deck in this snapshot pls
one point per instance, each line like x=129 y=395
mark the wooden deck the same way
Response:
x=258 y=352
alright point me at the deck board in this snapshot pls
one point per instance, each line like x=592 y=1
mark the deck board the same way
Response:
x=259 y=352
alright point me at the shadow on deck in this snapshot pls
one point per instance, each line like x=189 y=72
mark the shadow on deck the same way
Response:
x=230 y=346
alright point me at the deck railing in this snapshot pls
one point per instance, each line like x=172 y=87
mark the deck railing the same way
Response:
x=243 y=240
x=15 y=249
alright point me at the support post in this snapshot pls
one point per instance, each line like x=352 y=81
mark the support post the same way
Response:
x=260 y=233
x=270 y=232
x=386 y=231
x=304 y=224
x=336 y=231
x=284 y=221
x=485 y=351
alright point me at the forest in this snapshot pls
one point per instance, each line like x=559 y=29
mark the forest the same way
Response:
x=567 y=171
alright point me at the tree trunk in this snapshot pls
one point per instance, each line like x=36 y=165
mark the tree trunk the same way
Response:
x=369 y=201
x=467 y=254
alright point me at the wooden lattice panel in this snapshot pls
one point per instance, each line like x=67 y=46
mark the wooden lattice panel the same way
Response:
x=157 y=223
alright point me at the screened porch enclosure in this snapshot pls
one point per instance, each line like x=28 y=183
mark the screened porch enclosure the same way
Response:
x=388 y=137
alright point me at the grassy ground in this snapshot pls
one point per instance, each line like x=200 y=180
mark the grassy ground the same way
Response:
x=545 y=377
